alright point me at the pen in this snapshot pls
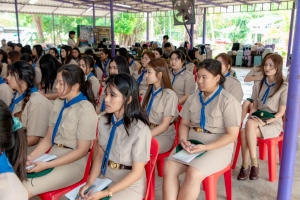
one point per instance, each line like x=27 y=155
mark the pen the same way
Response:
x=86 y=191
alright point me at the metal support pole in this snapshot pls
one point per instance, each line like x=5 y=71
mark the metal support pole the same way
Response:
x=112 y=32
x=53 y=29
x=291 y=125
x=288 y=62
x=94 y=21
x=17 y=19
x=204 y=26
x=192 y=37
x=147 y=32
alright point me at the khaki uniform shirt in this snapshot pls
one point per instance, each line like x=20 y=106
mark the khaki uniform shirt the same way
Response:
x=190 y=67
x=144 y=84
x=234 y=87
x=222 y=112
x=255 y=71
x=184 y=83
x=95 y=85
x=38 y=75
x=78 y=123
x=4 y=70
x=126 y=149
x=6 y=94
x=134 y=69
x=71 y=43
x=99 y=73
x=12 y=188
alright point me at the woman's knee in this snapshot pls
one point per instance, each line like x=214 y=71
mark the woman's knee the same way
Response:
x=194 y=175
x=251 y=123
x=245 y=105
x=172 y=168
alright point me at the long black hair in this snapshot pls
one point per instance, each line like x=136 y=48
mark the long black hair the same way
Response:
x=68 y=57
x=123 y=52
x=39 y=50
x=27 y=57
x=89 y=63
x=122 y=64
x=73 y=74
x=55 y=51
x=22 y=70
x=90 y=52
x=13 y=143
x=214 y=67
x=49 y=67
x=4 y=55
x=129 y=88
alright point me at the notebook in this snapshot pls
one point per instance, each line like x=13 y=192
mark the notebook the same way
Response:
x=42 y=158
x=99 y=185
x=185 y=156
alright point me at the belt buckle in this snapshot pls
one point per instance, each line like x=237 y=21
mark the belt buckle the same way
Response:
x=198 y=129
x=152 y=125
x=60 y=145
x=114 y=165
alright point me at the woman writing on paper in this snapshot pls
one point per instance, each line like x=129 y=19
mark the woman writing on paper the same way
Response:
x=270 y=95
x=13 y=151
x=124 y=142
x=160 y=102
x=211 y=116
x=70 y=134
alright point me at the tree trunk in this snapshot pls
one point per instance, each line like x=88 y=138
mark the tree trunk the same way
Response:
x=37 y=20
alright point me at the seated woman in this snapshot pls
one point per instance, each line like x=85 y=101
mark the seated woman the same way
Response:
x=231 y=85
x=211 y=116
x=38 y=74
x=117 y=65
x=76 y=54
x=161 y=103
x=105 y=56
x=124 y=138
x=190 y=61
x=31 y=107
x=134 y=65
x=269 y=94
x=70 y=134
x=53 y=51
x=49 y=67
x=66 y=56
x=182 y=80
x=97 y=64
x=13 y=153
x=86 y=63
x=146 y=58
x=158 y=52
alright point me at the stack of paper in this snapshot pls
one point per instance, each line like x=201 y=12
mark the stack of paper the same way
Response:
x=42 y=158
x=99 y=184
x=185 y=156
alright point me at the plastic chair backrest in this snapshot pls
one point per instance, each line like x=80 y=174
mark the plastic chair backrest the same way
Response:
x=99 y=94
x=141 y=98
x=195 y=73
x=150 y=166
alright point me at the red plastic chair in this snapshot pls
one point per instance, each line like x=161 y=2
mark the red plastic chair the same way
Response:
x=149 y=167
x=99 y=94
x=270 y=144
x=210 y=184
x=56 y=194
x=161 y=157
x=141 y=98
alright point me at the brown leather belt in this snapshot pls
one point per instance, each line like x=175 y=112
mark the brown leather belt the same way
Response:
x=155 y=125
x=63 y=146
x=114 y=165
x=198 y=129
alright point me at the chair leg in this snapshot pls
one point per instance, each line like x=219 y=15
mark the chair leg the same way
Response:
x=160 y=167
x=228 y=184
x=272 y=160
x=262 y=150
x=236 y=154
x=210 y=188
x=280 y=150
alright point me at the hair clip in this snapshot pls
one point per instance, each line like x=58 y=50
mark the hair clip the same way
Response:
x=17 y=124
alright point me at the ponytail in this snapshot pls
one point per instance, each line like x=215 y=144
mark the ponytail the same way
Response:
x=88 y=92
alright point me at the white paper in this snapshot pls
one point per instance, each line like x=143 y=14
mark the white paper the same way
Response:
x=185 y=156
x=42 y=158
x=100 y=184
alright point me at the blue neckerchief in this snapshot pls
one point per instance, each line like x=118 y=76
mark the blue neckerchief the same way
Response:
x=1 y=80
x=105 y=65
x=109 y=144
x=34 y=65
x=96 y=66
x=20 y=98
x=202 y=115
x=5 y=166
x=153 y=95
x=265 y=97
x=102 y=106
x=140 y=79
x=90 y=75
x=75 y=100
x=228 y=74
x=132 y=61
x=175 y=75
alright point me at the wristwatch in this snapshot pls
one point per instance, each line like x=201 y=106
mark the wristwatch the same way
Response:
x=110 y=194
